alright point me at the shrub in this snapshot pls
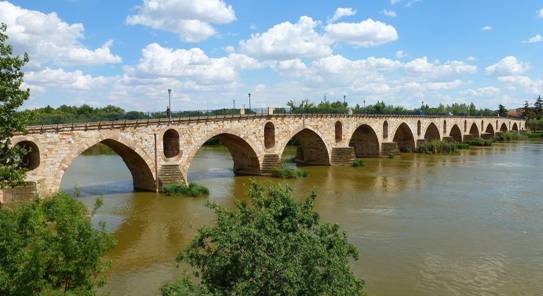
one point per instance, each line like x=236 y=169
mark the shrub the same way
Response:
x=288 y=173
x=49 y=247
x=437 y=146
x=506 y=137
x=533 y=134
x=192 y=189
x=358 y=163
x=273 y=246
x=391 y=156
x=480 y=142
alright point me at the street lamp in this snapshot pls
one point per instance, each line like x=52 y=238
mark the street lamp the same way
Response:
x=234 y=101
x=249 y=101
x=344 y=96
x=169 y=103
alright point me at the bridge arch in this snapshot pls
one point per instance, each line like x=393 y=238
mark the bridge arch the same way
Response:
x=31 y=159
x=404 y=138
x=269 y=135
x=515 y=127
x=243 y=152
x=474 y=130
x=503 y=128
x=137 y=161
x=489 y=129
x=456 y=134
x=432 y=133
x=312 y=149
x=365 y=141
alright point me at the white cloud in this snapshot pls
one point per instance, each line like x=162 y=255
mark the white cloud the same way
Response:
x=48 y=39
x=191 y=19
x=287 y=41
x=486 y=28
x=390 y=13
x=58 y=78
x=534 y=39
x=366 y=33
x=507 y=66
x=400 y=54
x=342 y=12
x=421 y=66
x=487 y=91
x=540 y=13
x=525 y=83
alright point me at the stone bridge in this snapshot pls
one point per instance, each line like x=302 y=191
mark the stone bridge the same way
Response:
x=158 y=152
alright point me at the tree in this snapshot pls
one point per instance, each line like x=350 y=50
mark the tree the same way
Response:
x=11 y=121
x=277 y=246
x=502 y=112
x=49 y=247
x=538 y=107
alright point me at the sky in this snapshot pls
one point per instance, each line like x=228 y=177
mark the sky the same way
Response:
x=210 y=52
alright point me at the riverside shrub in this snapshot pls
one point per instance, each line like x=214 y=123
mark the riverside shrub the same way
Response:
x=192 y=189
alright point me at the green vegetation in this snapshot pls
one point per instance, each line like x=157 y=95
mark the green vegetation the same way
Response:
x=288 y=173
x=480 y=142
x=534 y=124
x=49 y=247
x=506 y=136
x=531 y=135
x=192 y=189
x=358 y=163
x=273 y=246
x=437 y=146
x=391 y=156
x=11 y=121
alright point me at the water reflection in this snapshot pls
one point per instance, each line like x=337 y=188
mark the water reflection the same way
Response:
x=466 y=224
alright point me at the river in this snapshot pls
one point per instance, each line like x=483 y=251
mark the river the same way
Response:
x=465 y=224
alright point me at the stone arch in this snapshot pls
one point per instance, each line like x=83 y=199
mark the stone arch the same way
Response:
x=385 y=130
x=137 y=162
x=31 y=159
x=365 y=141
x=515 y=127
x=269 y=135
x=474 y=130
x=419 y=128
x=244 y=156
x=338 y=131
x=503 y=128
x=170 y=143
x=404 y=138
x=456 y=134
x=489 y=129
x=312 y=149
x=444 y=127
x=432 y=133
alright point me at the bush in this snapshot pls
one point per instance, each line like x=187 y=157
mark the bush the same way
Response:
x=49 y=247
x=288 y=173
x=391 y=156
x=273 y=246
x=192 y=189
x=358 y=163
x=533 y=134
x=437 y=146
x=480 y=142
x=506 y=137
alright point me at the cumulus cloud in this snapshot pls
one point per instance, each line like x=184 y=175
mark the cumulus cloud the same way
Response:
x=540 y=13
x=192 y=20
x=366 y=33
x=507 y=66
x=390 y=13
x=486 y=28
x=286 y=41
x=422 y=66
x=534 y=39
x=48 y=39
x=342 y=12
x=524 y=83
x=58 y=78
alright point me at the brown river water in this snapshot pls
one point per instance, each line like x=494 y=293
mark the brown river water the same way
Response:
x=465 y=224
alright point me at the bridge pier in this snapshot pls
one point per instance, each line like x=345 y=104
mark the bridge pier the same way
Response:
x=389 y=148
x=342 y=156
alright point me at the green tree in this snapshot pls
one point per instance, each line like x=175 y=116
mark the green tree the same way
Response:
x=49 y=247
x=538 y=108
x=276 y=246
x=11 y=121
x=502 y=112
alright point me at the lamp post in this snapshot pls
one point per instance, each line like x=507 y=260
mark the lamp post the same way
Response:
x=169 y=103
x=344 y=96
x=234 y=101
x=249 y=101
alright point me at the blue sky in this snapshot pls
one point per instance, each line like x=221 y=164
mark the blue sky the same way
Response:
x=128 y=53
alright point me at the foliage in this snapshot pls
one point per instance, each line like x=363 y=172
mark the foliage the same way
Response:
x=391 y=156
x=534 y=124
x=437 y=146
x=535 y=112
x=288 y=172
x=533 y=134
x=275 y=246
x=49 y=247
x=11 y=121
x=358 y=163
x=192 y=189
x=506 y=136
x=502 y=112
x=480 y=142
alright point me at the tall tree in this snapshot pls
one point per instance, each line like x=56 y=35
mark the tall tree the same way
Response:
x=502 y=112
x=11 y=121
x=538 y=107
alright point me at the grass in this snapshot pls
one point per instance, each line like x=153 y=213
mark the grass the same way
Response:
x=506 y=137
x=480 y=142
x=358 y=163
x=192 y=189
x=532 y=134
x=288 y=173
x=436 y=146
